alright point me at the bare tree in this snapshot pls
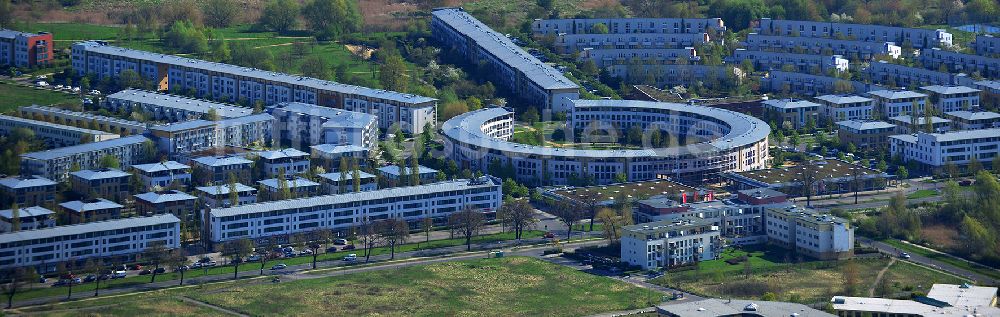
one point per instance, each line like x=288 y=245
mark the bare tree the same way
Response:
x=368 y=235
x=394 y=231
x=235 y=250
x=154 y=255
x=519 y=216
x=568 y=214
x=95 y=266
x=809 y=178
x=856 y=182
x=320 y=237
x=14 y=280
x=426 y=225
x=467 y=222
x=178 y=262
x=612 y=224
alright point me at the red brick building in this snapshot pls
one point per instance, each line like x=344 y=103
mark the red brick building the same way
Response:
x=25 y=49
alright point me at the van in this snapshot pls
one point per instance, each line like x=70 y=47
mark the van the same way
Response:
x=351 y=257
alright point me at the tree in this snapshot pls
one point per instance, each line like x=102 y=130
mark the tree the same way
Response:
x=368 y=235
x=426 y=225
x=857 y=183
x=178 y=262
x=155 y=254
x=356 y=175
x=519 y=216
x=220 y=13
x=315 y=67
x=612 y=224
x=95 y=266
x=280 y=15
x=343 y=175
x=330 y=19
x=15 y=218
x=110 y=161
x=851 y=279
x=530 y=116
x=414 y=171
x=15 y=279
x=978 y=237
x=392 y=74
x=467 y=222
x=404 y=177
x=974 y=165
x=186 y=38
x=394 y=231
x=809 y=179
x=568 y=214
x=985 y=11
x=236 y=250
x=320 y=237
x=6 y=15
x=738 y=13
x=902 y=172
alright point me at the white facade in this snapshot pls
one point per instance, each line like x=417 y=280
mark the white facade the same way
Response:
x=849 y=49
x=163 y=174
x=938 y=149
x=803 y=63
x=915 y=37
x=345 y=211
x=818 y=235
x=893 y=103
x=332 y=182
x=666 y=244
x=291 y=160
x=628 y=25
x=985 y=66
x=302 y=125
x=845 y=107
x=797 y=112
x=31 y=218
x=74 y=118
x=55 y=164
x=105 y=239
x=55 y=135
x=217 y=196
x=952 y=98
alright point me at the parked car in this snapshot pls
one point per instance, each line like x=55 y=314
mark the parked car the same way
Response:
x=306 y=252
x=253 y=258
x=349 y=247
x=90 y=278
x=549 y=235
x=42 y=279
x=76 y=280
x=145 y=272
x=279 y=266
x=331 y=249
x=104 y=277
x=160 y=270
x=182 y=268
x=196 y=265
x=119 y=274
x=41 y=83
x=60 y=283
x=60 y=87
x=340 y=241
x=351 y=257
x=136 y=267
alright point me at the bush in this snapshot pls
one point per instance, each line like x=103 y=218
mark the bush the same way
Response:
x=552 y=251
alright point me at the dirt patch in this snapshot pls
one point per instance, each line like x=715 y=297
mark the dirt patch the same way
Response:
x=942 y=237
x=363 y=52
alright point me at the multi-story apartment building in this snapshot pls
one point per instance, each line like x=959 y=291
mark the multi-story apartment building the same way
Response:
x=971 y=120
x=665 y=244
x=271 y=188
x=513 y=69
x=184 y=137
x=56 y=163
x=845 y=107
x=628 y=26
x=391 y=174
x=865 y=134
x=803 y=63
x=173 y=202
x=849 y=49
x=915 y=37
x=891 y=103
x=245 y=131
x=218 y=196
x=675 y=74
x=163 y=174
x=82 y=119
x=104 y=182
x=290 y=160
x=27 y=191
x=991 y=92
x=808 y=232
x=171 y=108
x=21 y=49
x=896 y=75
x=812 y=85
x=54 y=135
x=302 y=125
x=216 y=169
x=607 y=57
x=832 y=177
x=570 y=43
x=234 y=83
x=985 y=66
x=31 y=218
x=987 y=45
x=794 y=111
x=114 y=240
x=937 y=149
x=952 y=98
x=91 y=210
x=334 y=182
x=276 y=220
x=740 y=219
x=906 y=124
x=330 y=155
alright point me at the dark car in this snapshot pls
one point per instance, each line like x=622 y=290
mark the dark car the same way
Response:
x=90 y=278
x=349 y=247
x=136 y=267
x=331 y=249
x=549 y=235
x=145 y=272
x=160 y=270
x=104 y=277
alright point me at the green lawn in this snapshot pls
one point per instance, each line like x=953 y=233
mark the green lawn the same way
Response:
x=133 y=280
x=15 y=96
x=987 y=271
x=923 y=193
x=65 y=34
x=512 y=286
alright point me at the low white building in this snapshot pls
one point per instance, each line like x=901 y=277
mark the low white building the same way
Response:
x=56 y=163
x=803 y=63
x=163 y=174
x=271 y=188
x=218 y=195
x=333 y=182
x=392 y=173
x=795 y=111
x=808 y=232
x=952 y=98
x=329 y=155
x=109 y=240
x=938 y=149
x=664 y=244
x=948 y=300
x=971 y=120
x=740 y=219
x=31 y=218
x=291 y=160
x=906 y=124
x=277 y=219
x=845 y=107
x=892 y=103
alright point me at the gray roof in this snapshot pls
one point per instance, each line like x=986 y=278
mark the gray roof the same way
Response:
x=246 y=119
x=83 y=148
x=744 y=130
x=503 y=49
x=351 y=197
x=159 y=167
x=762 y=192
x=896 y=94
x=667 y=224
x=920 y=120
x=337 y=148
x=96 y=204
x=907 y=307
x=335 y=176
x=862 y=125
x=973 y=115
x=963 y=295
x=25 y=182
x=10 y=34
x=842 y=99
x=334 y=117
x=183 y=126
x=85 y=115
x=60 y=231
x=394 y=170
x=50 y=125
x=292 y=183
x=791 y=103
x=223 y=189
x=289 y=79
x=738 y=307
x=99 y=174
x=224 y=110
x=283 y=153
x=992 y=84
x=33 y=211
x=221 y=160
x=908 y=138
x=164 y=196
x=948 y=90
x=966 y=135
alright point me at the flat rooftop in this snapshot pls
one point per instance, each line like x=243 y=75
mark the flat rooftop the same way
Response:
x=224 y=110
x=644 y=189
x=826 y=169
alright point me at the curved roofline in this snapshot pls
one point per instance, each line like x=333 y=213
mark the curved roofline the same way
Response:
x=744 y=130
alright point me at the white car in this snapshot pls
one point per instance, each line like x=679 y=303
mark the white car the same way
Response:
x=351 y=257
x=95 y=92
x=59 y=87
x=76 y=89
x=41 y=83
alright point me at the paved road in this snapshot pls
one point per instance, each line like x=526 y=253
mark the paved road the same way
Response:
x=919 y=259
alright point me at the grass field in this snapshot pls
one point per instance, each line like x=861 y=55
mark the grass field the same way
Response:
x=944 y=258
x=17 y=96
x=923 y=193
x=513 y=286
